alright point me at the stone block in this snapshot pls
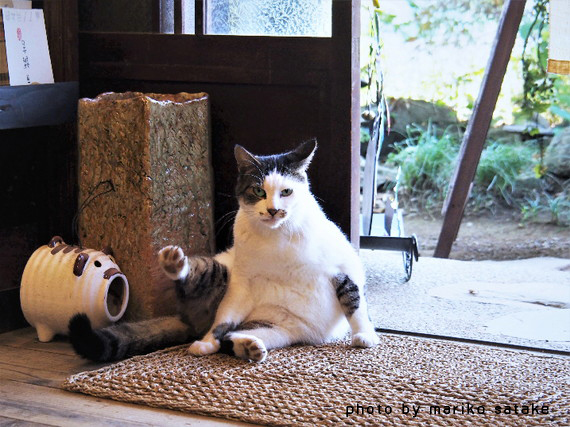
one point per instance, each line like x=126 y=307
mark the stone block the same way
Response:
x=557 y=155
x=145 y=181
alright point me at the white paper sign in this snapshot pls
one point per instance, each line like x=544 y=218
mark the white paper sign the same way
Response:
x=26 y=46
x=560 y=30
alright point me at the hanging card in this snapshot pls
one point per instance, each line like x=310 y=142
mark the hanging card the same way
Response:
x=26 y=46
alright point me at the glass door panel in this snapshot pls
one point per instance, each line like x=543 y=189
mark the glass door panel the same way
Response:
x=285 y=18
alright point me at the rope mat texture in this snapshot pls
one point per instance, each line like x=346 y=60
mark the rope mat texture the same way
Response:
x=404 y=381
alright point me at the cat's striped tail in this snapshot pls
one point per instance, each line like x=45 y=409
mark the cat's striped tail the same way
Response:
x=126 y=339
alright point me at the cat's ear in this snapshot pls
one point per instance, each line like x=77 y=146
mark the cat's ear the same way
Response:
x=301 y=156
x=244 y=158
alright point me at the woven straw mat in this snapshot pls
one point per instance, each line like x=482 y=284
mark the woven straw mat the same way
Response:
x=440 y=382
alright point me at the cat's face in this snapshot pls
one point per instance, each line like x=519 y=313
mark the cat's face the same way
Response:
x=271 y=189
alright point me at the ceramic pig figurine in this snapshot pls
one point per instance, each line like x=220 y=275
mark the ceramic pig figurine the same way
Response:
x=60 y=280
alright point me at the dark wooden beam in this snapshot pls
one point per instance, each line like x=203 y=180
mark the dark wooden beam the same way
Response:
x=355 y=126
x=177 y=16
x=38 y=105
x=199 y=18
x=61 y=28
x=478 y=126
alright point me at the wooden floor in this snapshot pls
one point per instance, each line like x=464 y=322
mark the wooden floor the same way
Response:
x=31 y=373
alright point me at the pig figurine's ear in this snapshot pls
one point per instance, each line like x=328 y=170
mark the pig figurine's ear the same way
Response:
x=108 y=250
x=55 y=240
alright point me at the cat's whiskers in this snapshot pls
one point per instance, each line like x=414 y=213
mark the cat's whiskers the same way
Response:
x=224 y=220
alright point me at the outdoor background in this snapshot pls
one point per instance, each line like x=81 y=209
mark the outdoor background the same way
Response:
x=424 y=61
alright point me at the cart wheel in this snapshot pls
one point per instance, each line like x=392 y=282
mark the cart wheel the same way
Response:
x=408 y=264
x=409 y=255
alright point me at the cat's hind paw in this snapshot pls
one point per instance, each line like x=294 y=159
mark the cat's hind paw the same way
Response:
x=248 y=347
x=173 y=262
x=203 y=348
x=365 y=339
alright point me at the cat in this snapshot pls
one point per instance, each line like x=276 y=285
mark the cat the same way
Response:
x=291 y=277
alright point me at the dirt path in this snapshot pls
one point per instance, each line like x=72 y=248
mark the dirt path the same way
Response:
x=493 y=238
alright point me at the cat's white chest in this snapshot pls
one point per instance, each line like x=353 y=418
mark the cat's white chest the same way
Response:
x=270 y=258
x=279 y=268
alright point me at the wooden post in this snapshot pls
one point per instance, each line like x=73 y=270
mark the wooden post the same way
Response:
x=478 y=126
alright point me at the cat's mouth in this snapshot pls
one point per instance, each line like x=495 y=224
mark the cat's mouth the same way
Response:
x=273 y=221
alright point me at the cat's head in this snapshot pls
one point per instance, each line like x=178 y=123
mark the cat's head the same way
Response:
x=270 y=188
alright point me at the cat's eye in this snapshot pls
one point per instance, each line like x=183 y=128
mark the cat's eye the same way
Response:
x=287 y=192
x=258 y=191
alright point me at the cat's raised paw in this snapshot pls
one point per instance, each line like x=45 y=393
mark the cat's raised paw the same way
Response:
x=248 y=347
x=365 y=339
x=203 y=348
x=173 y=262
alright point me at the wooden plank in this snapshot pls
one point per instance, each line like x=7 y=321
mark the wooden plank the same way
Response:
x=59 y=346
x=22 y=337
x=53 y=362
x=354 y=215
x=478 y=126
x=203 y=74
x=177 y=16
x=199 y=18
x=61 y=28
x=250 y=53
x=18 y=337
x=26 y=360
x=5 y=421
x=38 y=105
x=31 y=403
x=39 y=404
x=31 y=374
x=27 y=375
x=28 y=339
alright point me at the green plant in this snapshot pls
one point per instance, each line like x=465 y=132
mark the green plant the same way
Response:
x=530 y=209
x=426 y=161
x=543 y=92
x=456 y=19
x=559 y=208
x=371 y=70
x=499 y=167
x=556 y=207
x=537 y=83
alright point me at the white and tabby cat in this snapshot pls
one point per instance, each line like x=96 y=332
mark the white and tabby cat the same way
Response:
x=290 y=277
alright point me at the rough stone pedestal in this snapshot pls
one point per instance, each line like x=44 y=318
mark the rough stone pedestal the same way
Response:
x=145 y=181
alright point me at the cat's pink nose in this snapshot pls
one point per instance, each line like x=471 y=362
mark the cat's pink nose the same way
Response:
x=272 y=211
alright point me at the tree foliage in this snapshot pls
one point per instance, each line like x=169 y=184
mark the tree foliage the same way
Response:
x=455 y=19
x=439 y=23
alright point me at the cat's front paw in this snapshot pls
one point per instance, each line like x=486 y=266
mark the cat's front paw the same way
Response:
x=173 y=262
x=365 y=339
x=203 y=348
